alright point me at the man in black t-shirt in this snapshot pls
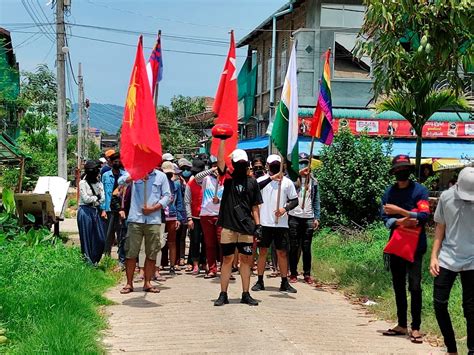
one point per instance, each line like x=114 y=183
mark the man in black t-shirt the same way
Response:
x=240 y=219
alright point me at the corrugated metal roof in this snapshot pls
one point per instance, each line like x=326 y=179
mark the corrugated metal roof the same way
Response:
x=388 y=115
x=9 y=152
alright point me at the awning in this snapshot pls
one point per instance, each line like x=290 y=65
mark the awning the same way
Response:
x=457 y=149
x=448 y=164
x=255 y=143
x=9 y=151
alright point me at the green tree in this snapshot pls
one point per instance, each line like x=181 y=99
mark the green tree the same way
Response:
x=352 y=179
x=414 y=46
x=176 y=135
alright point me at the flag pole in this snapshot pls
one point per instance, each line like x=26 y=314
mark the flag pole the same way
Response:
x=279 y=187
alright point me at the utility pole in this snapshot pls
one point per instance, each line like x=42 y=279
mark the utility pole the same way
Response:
x=61 y=50
x=80 y=118
x=87 y=133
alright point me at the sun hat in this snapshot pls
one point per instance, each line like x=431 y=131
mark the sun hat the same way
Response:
x=103 y=160
x=184 y=162
x=465 y=184
x=198 y=166
x=168 y=157
x=303 y=157
x=239 y=155
x=273 y=158
x=177 y=170
x=167 y=167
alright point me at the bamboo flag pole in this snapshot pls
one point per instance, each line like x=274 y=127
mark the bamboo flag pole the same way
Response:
x=279 y=187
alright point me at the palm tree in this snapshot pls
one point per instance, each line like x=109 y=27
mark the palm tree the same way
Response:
x=418 y=104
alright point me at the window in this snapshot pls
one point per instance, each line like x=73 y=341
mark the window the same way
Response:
x=344 y=16
x=346 y=64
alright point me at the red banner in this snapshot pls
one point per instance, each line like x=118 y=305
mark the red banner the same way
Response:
x=396 y=128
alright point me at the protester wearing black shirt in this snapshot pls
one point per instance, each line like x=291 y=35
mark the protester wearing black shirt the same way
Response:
x=239 y=219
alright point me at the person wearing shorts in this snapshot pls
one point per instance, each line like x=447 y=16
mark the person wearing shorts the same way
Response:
x=274 y=220
x=144 y=223
x=240 y=220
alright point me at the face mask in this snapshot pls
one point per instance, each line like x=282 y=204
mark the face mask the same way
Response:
x=402 y=175
x=303 y=165
x=258 y=173
x=274 y=168
x=240 y=169
x=116 y=166
x=186 y=173
x=169 y=175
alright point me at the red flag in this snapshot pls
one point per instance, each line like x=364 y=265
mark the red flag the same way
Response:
x=140 y=146
x=225 y=104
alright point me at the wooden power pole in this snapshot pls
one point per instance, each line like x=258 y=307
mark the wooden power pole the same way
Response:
x=61 y=51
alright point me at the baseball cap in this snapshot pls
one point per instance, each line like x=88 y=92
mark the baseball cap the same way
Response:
x=303 y=157
x=465 y=184
x=168 y=157
x=400 y=161
x=238 y=155
x=273 y=158
x=167 y=167
x=102 y=160
x=184 y=162
x=109 y=152
x=198 y=166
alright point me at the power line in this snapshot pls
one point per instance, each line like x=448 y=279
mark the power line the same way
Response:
x=36 y=20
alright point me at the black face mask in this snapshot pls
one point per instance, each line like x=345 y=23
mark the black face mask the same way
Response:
x=92 y=175
x=258 y=172
x=274 y=168
x=240 y=169
x=402 y=175
x=169 y=175
x=116 y=166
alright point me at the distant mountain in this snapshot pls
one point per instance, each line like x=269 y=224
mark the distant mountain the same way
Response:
x=106 y=117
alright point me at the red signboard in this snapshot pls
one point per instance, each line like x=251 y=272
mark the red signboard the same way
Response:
x=397 y=128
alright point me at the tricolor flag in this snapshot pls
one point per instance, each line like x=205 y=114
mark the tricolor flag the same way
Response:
x=154 y=67
x=285 y=126
x=321 y=126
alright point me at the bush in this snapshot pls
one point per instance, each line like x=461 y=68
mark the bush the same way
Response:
x=352 y=179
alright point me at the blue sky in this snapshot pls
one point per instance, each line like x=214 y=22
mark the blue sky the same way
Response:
x=107 y=67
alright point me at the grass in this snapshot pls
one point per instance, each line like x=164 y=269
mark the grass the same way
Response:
x=356 y=264
x=50 y=299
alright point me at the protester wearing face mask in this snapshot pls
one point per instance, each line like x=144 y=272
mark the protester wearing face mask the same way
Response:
x=239 y=219
x=258 y=167
x=274 y=219
x=183 y=176
x=173 y=214
x=111 y=206
x=91 y=196
x=404 y=207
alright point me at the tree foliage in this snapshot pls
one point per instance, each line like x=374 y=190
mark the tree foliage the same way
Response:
x=177 y=137
x=352 y=179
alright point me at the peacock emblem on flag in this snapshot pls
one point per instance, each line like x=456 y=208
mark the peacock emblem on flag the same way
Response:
x=132 y=98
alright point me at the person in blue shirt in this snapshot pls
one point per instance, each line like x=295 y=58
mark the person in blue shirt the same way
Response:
x=149 y=196
x=398 y=204
x=111 y=205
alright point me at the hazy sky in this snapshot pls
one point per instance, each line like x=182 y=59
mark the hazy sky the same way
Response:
x=193 y=26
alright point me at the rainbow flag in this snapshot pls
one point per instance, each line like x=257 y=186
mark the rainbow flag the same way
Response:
x=321 y=127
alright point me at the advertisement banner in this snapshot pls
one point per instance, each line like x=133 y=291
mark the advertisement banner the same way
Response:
x=396 y=128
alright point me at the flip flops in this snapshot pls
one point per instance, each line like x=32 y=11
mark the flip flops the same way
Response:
x=393 y=332
x=416 y=339
x=152 y=289
x=126 y=290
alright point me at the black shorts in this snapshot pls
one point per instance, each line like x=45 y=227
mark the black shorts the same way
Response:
x=277 y=235
x=231 y=240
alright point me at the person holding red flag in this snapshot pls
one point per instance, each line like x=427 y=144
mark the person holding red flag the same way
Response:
x=141 y=154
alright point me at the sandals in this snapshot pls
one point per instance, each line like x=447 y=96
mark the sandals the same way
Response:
x=210 y=275
x=416 y=339
x=393 y=332
x=126 y=290
x=152 y=289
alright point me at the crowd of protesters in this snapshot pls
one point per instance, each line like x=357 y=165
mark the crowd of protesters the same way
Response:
x=230 y=216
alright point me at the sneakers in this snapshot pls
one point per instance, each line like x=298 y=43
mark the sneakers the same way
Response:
x=247 y=299
x=293 y=279
x=172 y=271
x=222 y=300
x=258 y=286
x=195 y=270
x=309 y=280
x=286 y=287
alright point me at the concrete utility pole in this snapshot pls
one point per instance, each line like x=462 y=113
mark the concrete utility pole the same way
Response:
x=87 y=133
x=80 y=133
x=61 y=50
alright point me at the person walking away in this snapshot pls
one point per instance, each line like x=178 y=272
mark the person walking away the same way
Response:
x=111 y=206
x=402 y=209
x=274 y=220
x=91 y=196
x=180 y=181
x=453 y=255
x=240 y=220
x=173 y=214
x=193 y=203
x=303 y=220
x=149 y=196
x=212 y=187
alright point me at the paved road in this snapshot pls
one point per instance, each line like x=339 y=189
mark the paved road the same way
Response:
x=182 y=319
